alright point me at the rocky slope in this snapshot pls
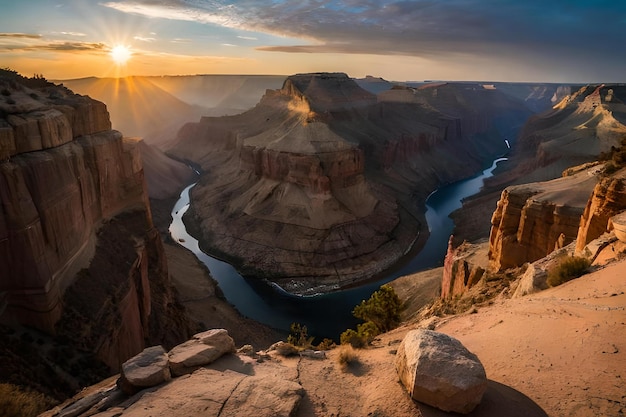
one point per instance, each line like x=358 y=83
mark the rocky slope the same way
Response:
x=578 y=129
x=79 y=255
x=320 y=185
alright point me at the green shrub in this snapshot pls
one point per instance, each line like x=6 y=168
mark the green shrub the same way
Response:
x=299 y=336
x=380 y=314
x=326 y=344
x=569 y=268
x=382 y=309
x=352 y=338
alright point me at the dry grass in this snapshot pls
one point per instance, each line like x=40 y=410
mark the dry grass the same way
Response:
x=17 y=402
x=347 y=356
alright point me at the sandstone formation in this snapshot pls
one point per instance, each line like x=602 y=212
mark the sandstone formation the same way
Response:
x=320 y=185
x=79 y=255
x=463 y=267
x=532 y=220
x=438 y=370
x=607 y=200
x=577 y=129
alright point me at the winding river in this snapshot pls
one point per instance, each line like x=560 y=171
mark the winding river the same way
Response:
x=329 y=314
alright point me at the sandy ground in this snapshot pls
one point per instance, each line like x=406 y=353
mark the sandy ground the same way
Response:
x=561 y=352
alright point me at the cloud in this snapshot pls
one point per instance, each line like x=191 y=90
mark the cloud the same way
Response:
x=426 y=28
x=77 y=34
x=20 y=35
x=144 y=39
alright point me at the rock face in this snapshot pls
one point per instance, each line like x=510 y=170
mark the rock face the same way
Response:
x=319 y=186
x=79 y=254
x=463 y=267
x=607 y=200
x=532 y=220
x=438 y=370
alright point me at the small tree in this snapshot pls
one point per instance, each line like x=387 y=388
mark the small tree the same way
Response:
x=381 y=313
x=299 y=336
x=382 y=309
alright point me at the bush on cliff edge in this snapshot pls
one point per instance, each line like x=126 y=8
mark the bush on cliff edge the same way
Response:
x=569 y=268
x=380 y=313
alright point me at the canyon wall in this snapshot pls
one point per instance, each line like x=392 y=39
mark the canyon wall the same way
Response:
x=532 y=220
x=608 y=199
x=65 y=180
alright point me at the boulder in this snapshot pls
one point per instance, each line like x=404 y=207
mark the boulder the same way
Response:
x=618 y=223
x=533 y=280
x=200 y=350
x=438 y=370
x=147 y=369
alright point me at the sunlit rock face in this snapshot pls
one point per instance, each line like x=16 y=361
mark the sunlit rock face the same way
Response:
x=532 y=220
x=320 y=185
x=67 y=181
x=608 y=199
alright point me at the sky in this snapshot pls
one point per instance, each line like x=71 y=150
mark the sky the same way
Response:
x=566 y=41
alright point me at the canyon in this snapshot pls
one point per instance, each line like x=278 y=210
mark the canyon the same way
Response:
x=322 y=184
x=81 y=240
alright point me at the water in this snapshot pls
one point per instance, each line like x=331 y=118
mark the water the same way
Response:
x=329 y=314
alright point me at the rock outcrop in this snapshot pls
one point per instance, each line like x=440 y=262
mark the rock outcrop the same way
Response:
x=320 y=185
x=532 y=220
x=608 y=199
x=79 y=254
x=237 y=385
x=463 y=267
x=438 y=370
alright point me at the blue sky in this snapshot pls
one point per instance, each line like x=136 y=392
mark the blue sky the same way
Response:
x=529 y=40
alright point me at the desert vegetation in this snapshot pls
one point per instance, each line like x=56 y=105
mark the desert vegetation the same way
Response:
x=380 y=313
x=16 y=401
x=568 y=268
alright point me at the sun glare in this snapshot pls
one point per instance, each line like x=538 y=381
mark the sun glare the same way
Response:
x=120 y=54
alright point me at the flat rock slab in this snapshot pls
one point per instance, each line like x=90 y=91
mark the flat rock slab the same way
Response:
x=208 y=392
x=203 y=349
x=438 y=370
x=147 y=369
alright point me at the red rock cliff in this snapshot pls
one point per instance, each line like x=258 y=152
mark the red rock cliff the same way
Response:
x=64 y=175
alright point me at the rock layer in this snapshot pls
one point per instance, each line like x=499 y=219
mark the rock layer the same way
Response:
x=607 y=200
x=319 y=186
x=79 y=254
x=534 y=219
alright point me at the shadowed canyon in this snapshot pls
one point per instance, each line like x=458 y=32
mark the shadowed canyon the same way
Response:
x=312 y=183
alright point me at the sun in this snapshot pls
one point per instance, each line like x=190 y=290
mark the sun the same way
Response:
x=120 y=54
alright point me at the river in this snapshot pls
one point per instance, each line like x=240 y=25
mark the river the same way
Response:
x=329 y=314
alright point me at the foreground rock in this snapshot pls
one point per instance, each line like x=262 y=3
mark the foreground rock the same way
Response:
x=202 y=349
x=147 y=369
x=236 y=386
x=438 y=370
